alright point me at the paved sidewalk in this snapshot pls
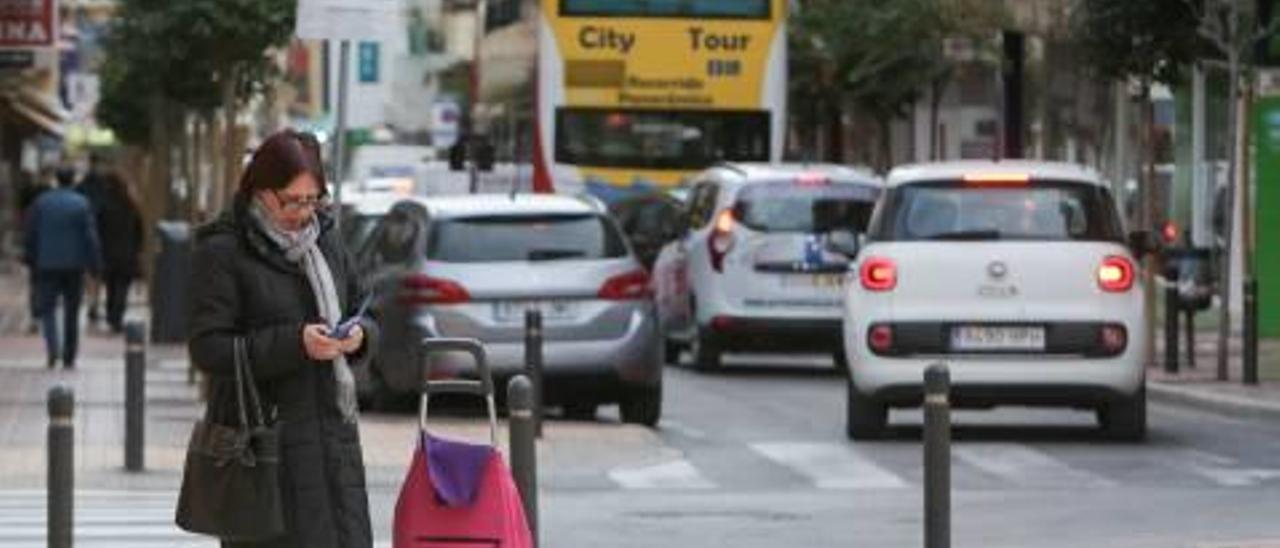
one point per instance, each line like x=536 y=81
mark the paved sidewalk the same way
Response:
x=1199 y=386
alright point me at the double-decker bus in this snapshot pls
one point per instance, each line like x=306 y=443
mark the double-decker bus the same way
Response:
x=635 y=95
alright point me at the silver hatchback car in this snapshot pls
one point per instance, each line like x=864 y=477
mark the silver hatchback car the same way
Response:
x=470 y=266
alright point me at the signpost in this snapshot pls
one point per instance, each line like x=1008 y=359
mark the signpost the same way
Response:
x=344 y=21
x=26 y=26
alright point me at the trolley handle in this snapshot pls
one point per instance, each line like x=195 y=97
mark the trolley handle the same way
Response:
x=482 y=387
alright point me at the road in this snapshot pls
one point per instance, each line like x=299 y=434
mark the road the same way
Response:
x=755 y=456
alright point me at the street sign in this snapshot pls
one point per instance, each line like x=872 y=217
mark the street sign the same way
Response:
x=367 y=56
x=28 y=23
x=17 y=59
x=355 y=20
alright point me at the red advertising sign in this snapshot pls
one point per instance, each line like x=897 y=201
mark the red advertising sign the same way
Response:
x=28 y=23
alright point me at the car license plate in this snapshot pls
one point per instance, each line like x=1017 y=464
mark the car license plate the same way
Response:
x=820 y=281
x=514 y=311
x=983 y=338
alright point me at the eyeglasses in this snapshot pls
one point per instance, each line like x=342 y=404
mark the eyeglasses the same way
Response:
x=296 y=204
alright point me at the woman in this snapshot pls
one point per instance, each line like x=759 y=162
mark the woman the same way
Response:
x=120 y=228
x=273 y=270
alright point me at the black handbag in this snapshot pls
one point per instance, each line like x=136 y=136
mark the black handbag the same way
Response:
x=230 y=487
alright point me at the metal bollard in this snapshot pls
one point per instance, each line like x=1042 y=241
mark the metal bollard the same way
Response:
x=1171 y=306
x=1190 y=326
x=937 y=457
x=60 y=503
x=524 y=453
x=533 y=360
x=1250 y=358
x=135 y=397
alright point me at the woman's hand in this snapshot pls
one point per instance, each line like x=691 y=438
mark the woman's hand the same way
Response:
x=318 y=344
x=353 y=342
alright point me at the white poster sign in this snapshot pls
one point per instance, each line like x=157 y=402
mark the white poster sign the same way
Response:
x=355 y=20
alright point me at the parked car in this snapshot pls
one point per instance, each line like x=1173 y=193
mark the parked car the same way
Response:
x=471 y=265
x=1017 y=275
x=753 y=269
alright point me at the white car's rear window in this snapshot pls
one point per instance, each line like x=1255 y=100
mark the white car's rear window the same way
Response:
x=956 y=210
x=806 y=208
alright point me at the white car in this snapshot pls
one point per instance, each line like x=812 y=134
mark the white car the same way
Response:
x=753 y=270
x=1017 y=275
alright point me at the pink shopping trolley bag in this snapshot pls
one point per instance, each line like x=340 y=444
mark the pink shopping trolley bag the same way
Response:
x=459 y=494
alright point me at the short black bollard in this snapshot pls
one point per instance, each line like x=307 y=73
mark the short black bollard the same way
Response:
x=937 y=457
x=135 y=397
x=1171 y=308
x=60 y=503
x=1189 y=325
x=524 y=451
x=1250 y=358
x=533 y=360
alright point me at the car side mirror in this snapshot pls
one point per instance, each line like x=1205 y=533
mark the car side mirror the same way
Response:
x=844 y=242
x=1143 y=243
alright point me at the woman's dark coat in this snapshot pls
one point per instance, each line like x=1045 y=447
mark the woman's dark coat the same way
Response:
x=243 y=285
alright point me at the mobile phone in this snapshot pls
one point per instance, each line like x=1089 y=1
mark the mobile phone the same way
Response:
x=343 y=329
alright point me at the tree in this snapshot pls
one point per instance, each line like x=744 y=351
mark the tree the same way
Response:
x=878 y=55
x=170 y=60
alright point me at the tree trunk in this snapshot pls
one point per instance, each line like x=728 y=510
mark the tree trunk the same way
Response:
x=835 y=132
x=936 y=90
x=161 y=165
x=1149 y=216
x=231 y=156
x=884 y=140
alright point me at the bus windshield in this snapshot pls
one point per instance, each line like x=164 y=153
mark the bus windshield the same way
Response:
x=745 y=9
x=660 y=139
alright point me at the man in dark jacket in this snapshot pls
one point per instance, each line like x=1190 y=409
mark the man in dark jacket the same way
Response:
x=61 y=246
x=120 y=225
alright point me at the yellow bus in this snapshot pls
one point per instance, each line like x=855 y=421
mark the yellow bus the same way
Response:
x=635 y=95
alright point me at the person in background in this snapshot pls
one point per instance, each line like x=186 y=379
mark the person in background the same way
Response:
x=62 y=245
x=120 y=225
x=32 y=187
x=94 y=188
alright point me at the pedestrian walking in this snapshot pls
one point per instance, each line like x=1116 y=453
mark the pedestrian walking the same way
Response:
x=273 y=270
x=62 y=246
x=94 y=188
x=120 y=225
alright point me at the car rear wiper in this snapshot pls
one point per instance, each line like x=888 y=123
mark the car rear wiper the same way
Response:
x=967 y=235
x=554 y=254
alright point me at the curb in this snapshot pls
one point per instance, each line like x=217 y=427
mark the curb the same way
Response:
x=1224 y=404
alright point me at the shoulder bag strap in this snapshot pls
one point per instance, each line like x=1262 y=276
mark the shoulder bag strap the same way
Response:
x=245 y=382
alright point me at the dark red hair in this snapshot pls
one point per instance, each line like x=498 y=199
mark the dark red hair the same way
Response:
x=283 y=157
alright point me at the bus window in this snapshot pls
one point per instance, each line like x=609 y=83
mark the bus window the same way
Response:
x=660 y=140
x=745 y=9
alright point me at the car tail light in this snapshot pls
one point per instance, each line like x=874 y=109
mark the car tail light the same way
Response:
x=420 y=289
x=1116 y=274
x=879 y=274
x=633 y=285
x=1114 y=339
x=721 y=240
x=721 y=323
x=880 y=339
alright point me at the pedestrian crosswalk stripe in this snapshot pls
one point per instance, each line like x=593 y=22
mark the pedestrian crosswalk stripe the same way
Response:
x=830 y=465
x=1225 y=471
x=676 y=474
x=103 y=519
x=1024 y=466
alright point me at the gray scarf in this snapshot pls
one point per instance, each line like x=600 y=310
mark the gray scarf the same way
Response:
x=300 y=247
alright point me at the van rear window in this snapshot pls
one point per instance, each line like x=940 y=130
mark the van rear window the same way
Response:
x=797 y=207
x=955 y=210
